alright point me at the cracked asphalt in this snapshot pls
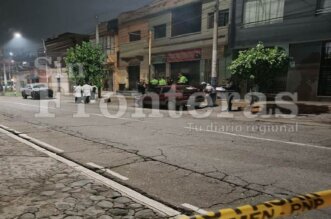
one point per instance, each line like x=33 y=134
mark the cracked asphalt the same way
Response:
x=181 y=161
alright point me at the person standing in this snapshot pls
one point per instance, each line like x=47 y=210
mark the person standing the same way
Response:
x=162 y=82
x=170 y=81
x=154 y=82
x=211 y=92
x=93 y=93
x=78 y=93
x=231 y=88
x=182 y=79
x=142 y=87
x=87 y=92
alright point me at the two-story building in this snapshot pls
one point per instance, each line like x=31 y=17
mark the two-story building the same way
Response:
x=56 y=50
x=108 y=41
x=302 y=28
x=181 y=40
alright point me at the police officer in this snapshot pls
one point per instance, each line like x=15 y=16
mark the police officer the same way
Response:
x=162 y=82
x=154 y=82
x=182 y=79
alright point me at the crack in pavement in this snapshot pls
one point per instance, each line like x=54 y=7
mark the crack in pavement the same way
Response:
x=224 y=179
x=126 y=164
x=231 y=202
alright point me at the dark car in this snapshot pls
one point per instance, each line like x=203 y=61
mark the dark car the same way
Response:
x=173 y=96
x=37 y=91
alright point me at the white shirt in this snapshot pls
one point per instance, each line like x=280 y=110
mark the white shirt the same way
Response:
x=210 y=89
x=87 y=90
x=78 y=91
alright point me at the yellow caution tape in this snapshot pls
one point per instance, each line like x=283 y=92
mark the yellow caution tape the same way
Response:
x=272 y=209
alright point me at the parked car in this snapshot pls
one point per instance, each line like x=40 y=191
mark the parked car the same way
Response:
x=8 y=87
x=37 y=91
x=173 y=96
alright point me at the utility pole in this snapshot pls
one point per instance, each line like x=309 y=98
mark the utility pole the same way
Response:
x=46 y=67
x=4 y=76
x=150 y=35
x=97 y=37
x=4 y=71
x=215 y=46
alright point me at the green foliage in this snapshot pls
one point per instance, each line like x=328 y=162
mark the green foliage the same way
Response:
x=85 y=64
x=260 y=65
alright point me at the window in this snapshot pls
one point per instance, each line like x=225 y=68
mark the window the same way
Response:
x=103 y=42
x=324 y=86
x=327 y=51
x=223 y=19
x=159 y=70
x=263 y=12
x=160 y=31
x=324 y=6
x=186 y=19
x=135 y=36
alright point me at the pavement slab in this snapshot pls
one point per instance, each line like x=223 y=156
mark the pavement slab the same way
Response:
x=33 y=185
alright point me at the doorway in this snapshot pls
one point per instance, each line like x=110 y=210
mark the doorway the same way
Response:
x=134 y=76
x=190 y=69
x=324 y=85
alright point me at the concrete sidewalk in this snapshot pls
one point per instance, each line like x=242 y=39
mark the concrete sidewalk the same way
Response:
x=33 y=185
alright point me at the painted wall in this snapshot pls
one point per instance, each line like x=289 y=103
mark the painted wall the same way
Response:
x=300 y=33
x=300 y=24
x=157 y=14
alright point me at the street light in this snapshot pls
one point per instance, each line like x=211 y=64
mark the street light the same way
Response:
x=17 y=35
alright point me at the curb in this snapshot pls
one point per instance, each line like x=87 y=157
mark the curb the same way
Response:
x=56 y=154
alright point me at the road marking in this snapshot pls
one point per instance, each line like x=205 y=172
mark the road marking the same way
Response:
x=135 y=196
x=195 y=209
x=262 y=139
x=108 y=171
x=42 y=144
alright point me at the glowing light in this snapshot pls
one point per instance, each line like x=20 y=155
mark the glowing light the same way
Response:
x=17 y=35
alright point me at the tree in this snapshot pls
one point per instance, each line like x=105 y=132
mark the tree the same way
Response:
x=260 y=65
x=85 y=63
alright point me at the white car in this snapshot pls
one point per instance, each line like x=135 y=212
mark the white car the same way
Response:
x=36 y=91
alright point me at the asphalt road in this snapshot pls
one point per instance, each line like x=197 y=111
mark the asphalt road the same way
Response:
x=210 y=163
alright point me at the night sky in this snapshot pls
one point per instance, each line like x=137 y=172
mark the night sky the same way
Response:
x=41 y=19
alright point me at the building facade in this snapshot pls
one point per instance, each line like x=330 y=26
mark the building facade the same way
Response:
x=181 y=41
x=302 y=28
x=108 y=41
x=56 y=50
